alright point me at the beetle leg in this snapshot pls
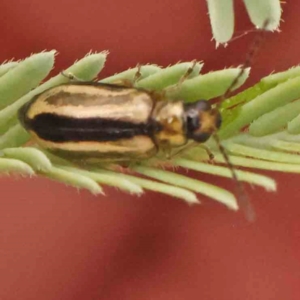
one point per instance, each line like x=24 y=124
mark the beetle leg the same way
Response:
x=183 y=149
x=162 y=95
x=188 y=72
x=71 y=76
x=183 y=78
x=130 y=82
x=166 y=151
x=209 y=153
x=137 y=75
x=190 y=146
x=75 y=79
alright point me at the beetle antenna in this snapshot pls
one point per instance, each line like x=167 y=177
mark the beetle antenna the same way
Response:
x=248 y=60
x=243 y=199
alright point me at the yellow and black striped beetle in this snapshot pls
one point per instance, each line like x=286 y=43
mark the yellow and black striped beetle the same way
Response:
x=110 y=122
x=95 y=122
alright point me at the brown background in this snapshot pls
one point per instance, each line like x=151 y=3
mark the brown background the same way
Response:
x=57 y=243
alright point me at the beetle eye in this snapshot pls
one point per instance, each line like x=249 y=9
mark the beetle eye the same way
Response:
x=194 y=130
x=201 y=120
x=195 y=107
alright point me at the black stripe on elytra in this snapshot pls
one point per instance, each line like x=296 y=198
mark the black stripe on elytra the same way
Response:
x=55 y=128
x=108 y=86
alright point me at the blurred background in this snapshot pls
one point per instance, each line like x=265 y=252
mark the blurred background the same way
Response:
x=58 y=243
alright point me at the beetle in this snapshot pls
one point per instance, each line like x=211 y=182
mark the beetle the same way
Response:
x=109 y=122
x=86 y=120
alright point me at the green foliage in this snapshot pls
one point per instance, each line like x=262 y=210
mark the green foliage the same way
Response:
x=268 y=109
x=265 y=146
